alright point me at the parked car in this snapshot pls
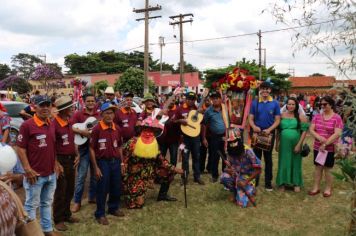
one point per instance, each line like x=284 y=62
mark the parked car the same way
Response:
x=13 y=110
x=10 y=94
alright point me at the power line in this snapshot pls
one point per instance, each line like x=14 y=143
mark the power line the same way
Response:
x=241 y=35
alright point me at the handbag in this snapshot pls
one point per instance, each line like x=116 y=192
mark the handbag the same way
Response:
x=305 y=150
x=25 y=226
x=262 y=141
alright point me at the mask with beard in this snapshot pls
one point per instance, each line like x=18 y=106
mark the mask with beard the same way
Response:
x=235 y=147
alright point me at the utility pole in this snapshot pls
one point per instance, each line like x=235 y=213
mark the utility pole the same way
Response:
x=44 y=57
x=259 y=55
x=180 y=22
x=161 y=45
x=291 y=71
x=264 y=56
x=146 y=10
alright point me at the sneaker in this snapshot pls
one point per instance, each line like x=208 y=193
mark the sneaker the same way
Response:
x=269 y=188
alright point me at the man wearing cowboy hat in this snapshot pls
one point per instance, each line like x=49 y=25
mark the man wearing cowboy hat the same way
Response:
x=68 y=158
x=110 y=96
x=106 y=154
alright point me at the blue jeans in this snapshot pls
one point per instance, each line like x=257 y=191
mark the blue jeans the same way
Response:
x=83 y=166
x=40 y=195
x=109 y=183
x=173 y=151
x=192 y=145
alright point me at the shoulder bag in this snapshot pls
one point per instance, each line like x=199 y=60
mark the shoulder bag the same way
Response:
x=261 y=140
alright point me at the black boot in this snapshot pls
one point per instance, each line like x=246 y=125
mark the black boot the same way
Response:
x=163 y=193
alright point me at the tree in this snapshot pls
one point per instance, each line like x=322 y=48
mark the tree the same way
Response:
x=4 y=71
x=317 y=74
x=165 y=67
x=47 y=74
x=132 y=80
x=24 y=64
x=100 y=86
x=110 y=62
x=278 y=79
x=16 y=83
x=327 y=27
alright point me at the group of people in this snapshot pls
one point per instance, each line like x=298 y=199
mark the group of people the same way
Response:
x=126 y=152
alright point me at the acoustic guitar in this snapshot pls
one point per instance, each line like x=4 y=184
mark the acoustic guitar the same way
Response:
x=88 y=124
x=192 y=129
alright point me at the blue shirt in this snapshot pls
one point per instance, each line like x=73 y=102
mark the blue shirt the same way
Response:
x=214 y=120
x=267 y=111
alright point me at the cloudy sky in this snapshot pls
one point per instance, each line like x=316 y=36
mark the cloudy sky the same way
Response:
x=58 y=28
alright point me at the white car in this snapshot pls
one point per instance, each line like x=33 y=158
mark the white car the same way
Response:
x=13 y=110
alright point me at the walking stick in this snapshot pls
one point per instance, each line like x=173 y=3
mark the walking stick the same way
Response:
x=185 y=189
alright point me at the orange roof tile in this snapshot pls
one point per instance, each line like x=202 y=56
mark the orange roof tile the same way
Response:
x=312 y=81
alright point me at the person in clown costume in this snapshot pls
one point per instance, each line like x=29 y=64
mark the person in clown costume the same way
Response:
x=242 y=168
x=143 y=162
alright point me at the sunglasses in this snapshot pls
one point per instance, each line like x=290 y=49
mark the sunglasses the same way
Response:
x=324 y=104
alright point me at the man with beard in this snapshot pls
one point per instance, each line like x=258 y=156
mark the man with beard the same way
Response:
x=143 y=163
x=242 y=169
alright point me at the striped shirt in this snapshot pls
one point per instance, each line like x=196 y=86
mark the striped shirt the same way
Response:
x=326 y=129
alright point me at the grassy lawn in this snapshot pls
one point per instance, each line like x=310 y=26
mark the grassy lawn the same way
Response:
x=210 y=213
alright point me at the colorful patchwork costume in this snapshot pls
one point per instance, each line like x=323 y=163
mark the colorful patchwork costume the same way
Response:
x=144 y=164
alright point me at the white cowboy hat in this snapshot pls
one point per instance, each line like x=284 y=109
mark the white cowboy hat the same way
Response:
x=109 y=90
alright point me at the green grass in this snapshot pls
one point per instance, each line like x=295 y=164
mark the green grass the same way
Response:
x=210 y=213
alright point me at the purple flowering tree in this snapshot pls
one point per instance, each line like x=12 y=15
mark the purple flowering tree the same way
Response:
x=48 y=75
x=15 y=83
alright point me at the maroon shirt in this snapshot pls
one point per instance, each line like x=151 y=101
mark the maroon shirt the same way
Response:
x=126 y=120
x=81 y=117
x=171 y=133
x=38 y=138
x=106 y=141
x=183 y=110
x=144 y=115
x=64 y=137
